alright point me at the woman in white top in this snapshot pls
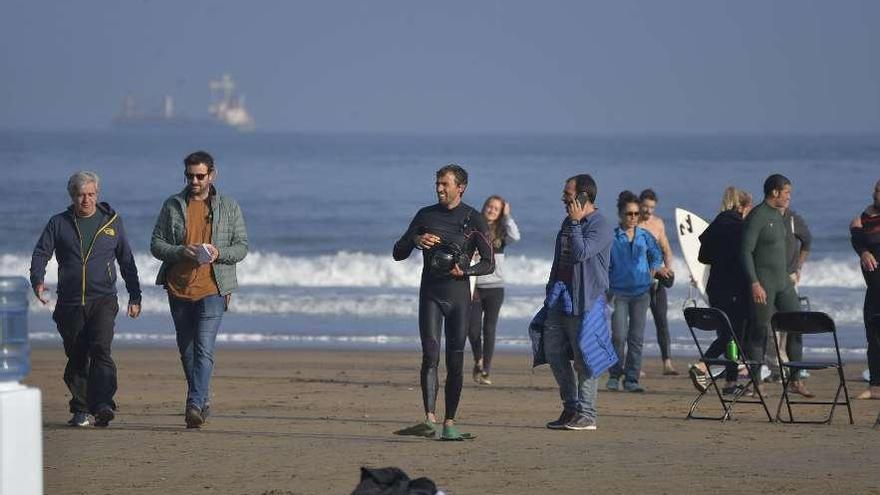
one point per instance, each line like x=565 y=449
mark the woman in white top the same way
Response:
x=489 y=291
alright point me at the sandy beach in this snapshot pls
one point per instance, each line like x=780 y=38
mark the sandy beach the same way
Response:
x=305 y=421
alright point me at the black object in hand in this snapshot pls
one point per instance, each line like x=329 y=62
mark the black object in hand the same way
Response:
x=665 y=281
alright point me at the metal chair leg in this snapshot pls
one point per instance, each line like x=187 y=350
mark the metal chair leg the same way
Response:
x=846 y=394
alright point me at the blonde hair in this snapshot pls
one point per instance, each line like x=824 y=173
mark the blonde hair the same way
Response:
x=734 y=198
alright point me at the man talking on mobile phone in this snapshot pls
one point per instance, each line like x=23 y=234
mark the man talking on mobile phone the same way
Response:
x=577 y=285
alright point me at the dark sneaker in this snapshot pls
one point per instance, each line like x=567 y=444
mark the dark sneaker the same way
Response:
x=633 y=387
x=79 y=419
x=104 y=416
x=206 y=412
x=193 y=417
x=613 y=384
x=560 y=423
x=581 y=422
x=732 y=389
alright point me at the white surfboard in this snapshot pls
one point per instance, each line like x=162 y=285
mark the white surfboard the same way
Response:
x=689 y=227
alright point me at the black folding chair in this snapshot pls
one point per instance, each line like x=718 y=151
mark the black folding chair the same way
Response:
x=808 y=322
x=712 y=320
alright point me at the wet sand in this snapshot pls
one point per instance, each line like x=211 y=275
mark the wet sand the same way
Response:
x=305 y=421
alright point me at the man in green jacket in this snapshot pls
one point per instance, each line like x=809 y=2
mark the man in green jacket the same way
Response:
x=199 y=237
x=765 y=260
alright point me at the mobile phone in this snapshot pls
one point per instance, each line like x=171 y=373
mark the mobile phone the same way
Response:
x=203 y=255
x=582 y=198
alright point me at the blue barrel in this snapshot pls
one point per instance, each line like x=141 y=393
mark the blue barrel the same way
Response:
x=15 y=351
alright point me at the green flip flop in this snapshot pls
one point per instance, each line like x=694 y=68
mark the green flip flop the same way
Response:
x=423 y=429
x=451 y=434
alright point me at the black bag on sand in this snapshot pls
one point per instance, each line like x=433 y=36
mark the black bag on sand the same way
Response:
x=392 y=481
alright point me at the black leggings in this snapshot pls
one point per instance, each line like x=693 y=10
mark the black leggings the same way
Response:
x=452 y=304
x=483 y=321
x=658 y=312
x=872 y=307
x=736 y=307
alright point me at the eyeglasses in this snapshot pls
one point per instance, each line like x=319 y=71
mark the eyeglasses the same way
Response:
x=631 y=213
x=200 y=177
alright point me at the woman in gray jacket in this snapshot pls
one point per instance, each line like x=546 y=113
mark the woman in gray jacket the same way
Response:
x=489 y=292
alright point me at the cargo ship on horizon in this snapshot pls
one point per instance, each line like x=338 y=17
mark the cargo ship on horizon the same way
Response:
x=227 y=111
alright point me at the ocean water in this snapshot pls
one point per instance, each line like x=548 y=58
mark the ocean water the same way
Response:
x=324 y=210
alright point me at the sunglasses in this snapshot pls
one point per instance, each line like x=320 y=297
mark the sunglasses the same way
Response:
x=200 y=177
x=631 y=213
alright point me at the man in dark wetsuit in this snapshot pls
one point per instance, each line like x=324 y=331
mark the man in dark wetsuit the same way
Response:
x=448 y=233
x=764 y=258
x=865 y=230
x=796 y=252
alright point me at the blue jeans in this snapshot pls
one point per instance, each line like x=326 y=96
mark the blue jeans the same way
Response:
x=628 y=328
x=578 y=393
x=197 y=324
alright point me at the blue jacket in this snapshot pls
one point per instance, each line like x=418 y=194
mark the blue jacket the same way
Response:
x=589 y=244
x=594 y=339
x=632 y=262
x=86 y=276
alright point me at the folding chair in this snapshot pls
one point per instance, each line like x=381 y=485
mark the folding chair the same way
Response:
x=712 y=320
x=808 y=322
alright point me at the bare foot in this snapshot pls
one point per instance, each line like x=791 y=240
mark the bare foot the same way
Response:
x=761 y=388
x=871 y=393
x=798 y=387
x=668 y=369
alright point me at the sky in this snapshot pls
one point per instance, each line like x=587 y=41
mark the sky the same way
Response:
x=617 y=66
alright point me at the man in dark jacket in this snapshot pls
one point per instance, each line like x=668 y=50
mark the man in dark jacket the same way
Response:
x=578 y=278
x=86 y=240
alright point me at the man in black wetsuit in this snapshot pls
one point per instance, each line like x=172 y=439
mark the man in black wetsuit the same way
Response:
x=448 y=233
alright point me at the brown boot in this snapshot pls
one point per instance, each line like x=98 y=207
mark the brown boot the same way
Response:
x=798 y=387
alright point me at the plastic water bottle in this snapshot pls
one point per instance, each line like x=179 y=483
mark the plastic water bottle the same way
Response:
x=15 y=351
x=732 y=350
